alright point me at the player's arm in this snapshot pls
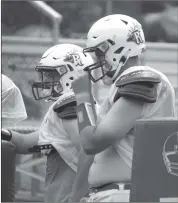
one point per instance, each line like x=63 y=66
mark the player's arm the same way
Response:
x=22 y=141
x=66 y=111
x=74 y=139
x=115 y=125
x=132 y=93
x=80 y=186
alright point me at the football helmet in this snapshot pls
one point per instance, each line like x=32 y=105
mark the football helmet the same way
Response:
x=114 y=39
x=57 y=69
x=170 y=154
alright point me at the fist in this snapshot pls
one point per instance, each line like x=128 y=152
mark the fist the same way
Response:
x=82 y=84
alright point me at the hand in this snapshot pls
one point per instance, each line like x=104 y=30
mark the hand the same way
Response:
x=6 y=134
x=82 y=84
x=82 y=87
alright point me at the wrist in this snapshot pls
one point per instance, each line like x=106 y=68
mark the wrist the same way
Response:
x=85 y=115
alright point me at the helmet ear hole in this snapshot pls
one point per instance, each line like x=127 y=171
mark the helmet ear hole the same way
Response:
x=67 y=84
x=123 y=59
x=114 y=59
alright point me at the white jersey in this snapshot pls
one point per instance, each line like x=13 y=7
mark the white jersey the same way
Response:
x=163 y=107
x=13 y=107
x=52 y=131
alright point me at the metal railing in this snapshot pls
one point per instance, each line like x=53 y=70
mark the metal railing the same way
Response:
x=52 y=14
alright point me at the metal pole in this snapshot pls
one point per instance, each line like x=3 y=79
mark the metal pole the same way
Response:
x=108 y=7
x=55 y=32
x=52 y=14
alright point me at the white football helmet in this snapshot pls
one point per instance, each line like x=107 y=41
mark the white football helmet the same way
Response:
x=170 y=154
x=114 y=39
x=57 y=69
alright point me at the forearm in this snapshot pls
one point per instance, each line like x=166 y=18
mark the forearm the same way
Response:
x=24 y=141
x=86 y=115
x=81 y=186
x=89 y=141
x=86 y=112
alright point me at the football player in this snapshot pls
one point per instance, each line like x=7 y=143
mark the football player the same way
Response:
x=13 y=111
x=117 y=44
x=13 y=107
x=58 y=136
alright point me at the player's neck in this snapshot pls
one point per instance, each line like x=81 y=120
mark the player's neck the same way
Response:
x=134 y=61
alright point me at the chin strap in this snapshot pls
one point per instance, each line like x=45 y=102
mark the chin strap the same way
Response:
x=122 y=62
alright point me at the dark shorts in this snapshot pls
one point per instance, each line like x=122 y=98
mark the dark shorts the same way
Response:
x=8 y=155
x=59 y=179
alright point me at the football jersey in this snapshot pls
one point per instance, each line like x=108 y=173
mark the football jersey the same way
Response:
x=13 y=107
x=52 y=131
x=163 y=107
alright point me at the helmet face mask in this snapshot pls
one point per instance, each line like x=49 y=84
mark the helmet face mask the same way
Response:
x=101 y=64
x=49 y=85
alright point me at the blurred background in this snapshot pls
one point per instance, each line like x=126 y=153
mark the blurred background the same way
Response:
x=31 y=27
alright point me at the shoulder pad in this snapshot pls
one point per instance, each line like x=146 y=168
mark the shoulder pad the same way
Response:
x=138 y=76
x=68 y=113
x=140 y=85
x=66 y=109
x=64 y=102
x=139 y=91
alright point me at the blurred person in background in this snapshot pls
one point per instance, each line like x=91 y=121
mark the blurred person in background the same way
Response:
x=13 y=107
x=58 y=136
x=161 y=24
x=137 y=91
x=12 y=112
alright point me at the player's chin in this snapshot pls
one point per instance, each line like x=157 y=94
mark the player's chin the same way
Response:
x=107 y=80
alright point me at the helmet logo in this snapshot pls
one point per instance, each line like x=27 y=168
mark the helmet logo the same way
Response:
x=74 y=58
x=136 y=37
x=134 y=34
